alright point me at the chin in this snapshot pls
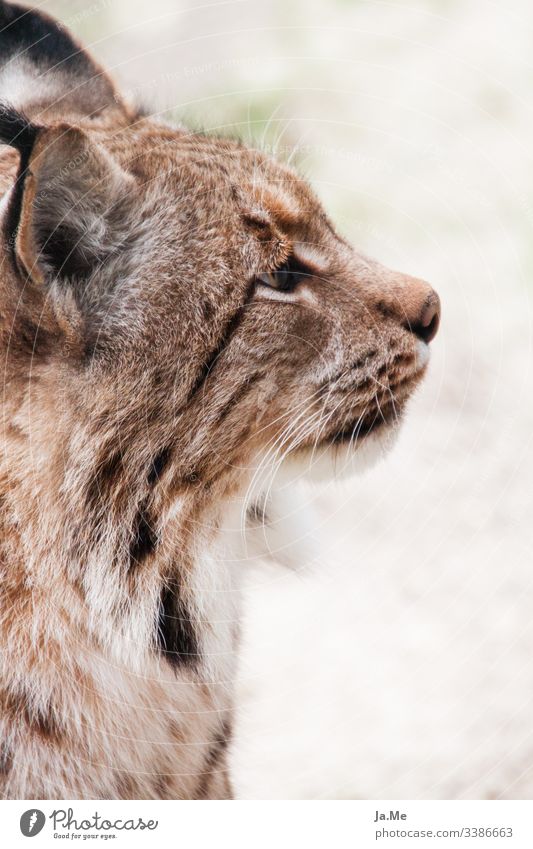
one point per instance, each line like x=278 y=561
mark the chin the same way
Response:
x=338 y=461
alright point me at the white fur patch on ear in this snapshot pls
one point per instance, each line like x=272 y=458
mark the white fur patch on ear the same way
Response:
x=22 y=84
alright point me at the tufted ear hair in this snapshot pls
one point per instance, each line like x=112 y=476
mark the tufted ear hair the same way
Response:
x=67 y=213
x=46 y=73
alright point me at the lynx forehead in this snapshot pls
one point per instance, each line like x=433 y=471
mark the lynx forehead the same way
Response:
x=179 y=317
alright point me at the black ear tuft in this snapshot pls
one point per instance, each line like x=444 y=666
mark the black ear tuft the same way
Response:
x=39 y=38
x=17 y=130
x=50 y=65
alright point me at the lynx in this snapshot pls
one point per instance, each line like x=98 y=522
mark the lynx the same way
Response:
x=179 y=317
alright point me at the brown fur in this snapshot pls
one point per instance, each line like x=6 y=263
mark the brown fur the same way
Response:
x=145 y=376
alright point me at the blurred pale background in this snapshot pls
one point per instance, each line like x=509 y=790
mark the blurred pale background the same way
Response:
x=401 y=665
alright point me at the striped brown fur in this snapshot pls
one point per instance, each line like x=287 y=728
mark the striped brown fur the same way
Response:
x=156 y=347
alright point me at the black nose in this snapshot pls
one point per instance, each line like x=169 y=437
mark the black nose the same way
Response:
x=428 y=321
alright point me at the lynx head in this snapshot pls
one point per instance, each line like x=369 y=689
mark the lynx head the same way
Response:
x=177 y=308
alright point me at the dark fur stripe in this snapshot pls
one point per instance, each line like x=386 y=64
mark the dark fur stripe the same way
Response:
x=16 y=706
x=175 y=638
x=214 y=756
x=144 y=536
x=239 y=395
x=16 y=130
x=104 y=479
x=157 y=466
x=6 y=759
x=230 y=328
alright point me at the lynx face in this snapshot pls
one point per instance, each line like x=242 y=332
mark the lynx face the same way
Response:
x=195 y=285
x=202 y=288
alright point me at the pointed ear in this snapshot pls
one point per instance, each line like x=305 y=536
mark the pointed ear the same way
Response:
x=68 y=211
x=46 y=73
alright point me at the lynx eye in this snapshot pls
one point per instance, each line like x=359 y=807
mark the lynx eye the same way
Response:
x=286 y=277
